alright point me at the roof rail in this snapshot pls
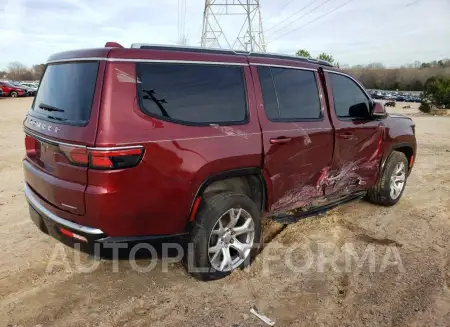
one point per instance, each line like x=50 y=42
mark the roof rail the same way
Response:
x=181 y=48
x=227 y=52
x=289 y=57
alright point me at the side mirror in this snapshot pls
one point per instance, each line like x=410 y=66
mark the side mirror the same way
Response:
x=378 y=111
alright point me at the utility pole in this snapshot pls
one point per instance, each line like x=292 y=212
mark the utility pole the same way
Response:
x=221 y=18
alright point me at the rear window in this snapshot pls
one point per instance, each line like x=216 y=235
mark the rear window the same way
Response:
x=66 y=92
x=192 y=93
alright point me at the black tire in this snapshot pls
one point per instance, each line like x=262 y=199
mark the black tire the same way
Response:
x=13 y=94
x=212 y=208
x=381 y=192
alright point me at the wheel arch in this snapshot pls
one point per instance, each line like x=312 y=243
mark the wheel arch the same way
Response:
x=249 y=181
x=408 y=149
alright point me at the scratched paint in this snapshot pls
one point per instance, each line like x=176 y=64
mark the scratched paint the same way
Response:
x=124 y=77
x=230 y=131
x=306 y=139
x=340 y=182
x=275 y=177
x=295 y=198
x=333 y=183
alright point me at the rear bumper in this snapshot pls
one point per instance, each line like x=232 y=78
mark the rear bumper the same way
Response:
x=53 y=222
x=41 y=215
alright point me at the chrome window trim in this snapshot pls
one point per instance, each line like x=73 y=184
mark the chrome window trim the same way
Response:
x=283 y=66
x=51 y=141
x=223 y=63
x=76 y=59
x=55 y=142
x=116 y=148
x=165 y=61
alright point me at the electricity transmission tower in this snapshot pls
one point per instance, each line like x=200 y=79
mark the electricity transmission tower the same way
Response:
x=222 y=20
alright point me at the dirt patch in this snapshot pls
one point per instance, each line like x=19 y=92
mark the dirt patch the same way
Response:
x=358 y=265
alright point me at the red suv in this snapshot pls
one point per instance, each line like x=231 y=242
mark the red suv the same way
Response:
x=11 y=90
x=148 y=142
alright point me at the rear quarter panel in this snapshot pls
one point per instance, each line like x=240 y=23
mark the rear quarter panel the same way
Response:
x=155 y=197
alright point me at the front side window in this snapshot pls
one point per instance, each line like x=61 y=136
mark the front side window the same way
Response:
x=349 y=100
x=289 y=94
x=193 y=93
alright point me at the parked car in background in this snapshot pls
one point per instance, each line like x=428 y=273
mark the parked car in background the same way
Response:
x=11 y=90
x=377 y=96
x=214 y=141
x=31 y=88
x=390 y=104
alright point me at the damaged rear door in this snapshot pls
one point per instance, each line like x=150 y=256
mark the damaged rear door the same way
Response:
x=358 y=137
x=297 y=134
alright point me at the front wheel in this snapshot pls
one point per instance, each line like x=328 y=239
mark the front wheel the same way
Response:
x=391 y=182
x=13 y=94
x=225 y=236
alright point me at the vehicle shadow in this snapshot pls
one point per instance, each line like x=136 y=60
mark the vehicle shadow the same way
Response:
x=156 y=249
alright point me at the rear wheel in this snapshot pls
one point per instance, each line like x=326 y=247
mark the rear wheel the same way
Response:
x=13 y=94
x=225 y=236
x=391 y=182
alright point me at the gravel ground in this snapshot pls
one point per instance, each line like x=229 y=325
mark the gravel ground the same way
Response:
x=306 y=276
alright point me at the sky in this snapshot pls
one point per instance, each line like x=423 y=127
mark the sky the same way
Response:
x=393 y=32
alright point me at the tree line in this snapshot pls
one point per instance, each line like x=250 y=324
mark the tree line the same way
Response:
x=410 y=77
x=406 y=78
x=17 y=71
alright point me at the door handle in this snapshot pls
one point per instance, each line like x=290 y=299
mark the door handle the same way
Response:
x=348 y=136
x=280 y=140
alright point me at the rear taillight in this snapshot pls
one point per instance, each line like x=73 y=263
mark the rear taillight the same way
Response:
x=96 y=158
x=115 y=159
x=77 y=156
x=32 y=146
x=103 y=159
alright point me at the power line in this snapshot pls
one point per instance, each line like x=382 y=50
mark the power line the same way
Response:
x=294 y=21
x=311 y=21
x=287 y=4
x=247 y=12
x=291 y=15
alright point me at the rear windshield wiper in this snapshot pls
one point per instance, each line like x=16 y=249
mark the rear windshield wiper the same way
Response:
x=49 y=108
x=56 y=118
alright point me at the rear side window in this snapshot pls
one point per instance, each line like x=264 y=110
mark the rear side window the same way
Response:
x=66 y=92
x=289 y=94
x=350 y=102
x=192 y=93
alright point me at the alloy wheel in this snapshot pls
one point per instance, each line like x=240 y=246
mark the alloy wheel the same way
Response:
x=398 y=180
x=231 y=240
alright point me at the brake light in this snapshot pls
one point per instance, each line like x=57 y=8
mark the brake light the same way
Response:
x=96 y=158
x=103 y=159
x=115 y=159
x=32 y=146
x=77 y=156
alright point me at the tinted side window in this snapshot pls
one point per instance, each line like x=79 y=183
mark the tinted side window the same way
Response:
x=289 y=94
x=349 y=100
x=191 y=93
